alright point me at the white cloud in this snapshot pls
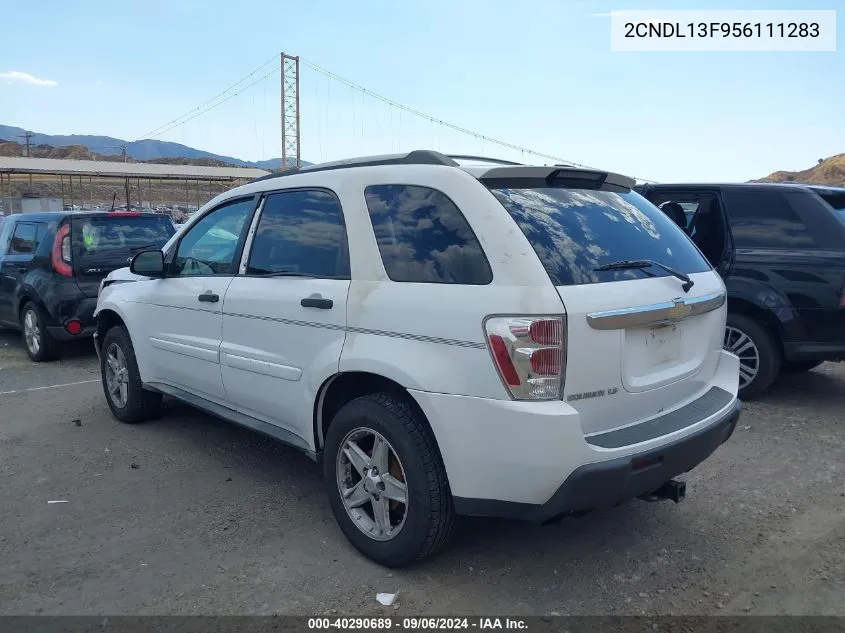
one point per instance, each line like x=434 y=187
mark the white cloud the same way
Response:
x=14 y=76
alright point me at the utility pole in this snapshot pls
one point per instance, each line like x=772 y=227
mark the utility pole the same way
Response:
x=27 y=136
x=290 y=112
x=126 y=182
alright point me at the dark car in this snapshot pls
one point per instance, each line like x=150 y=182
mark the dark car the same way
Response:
x=51 y=265
x=781 y=250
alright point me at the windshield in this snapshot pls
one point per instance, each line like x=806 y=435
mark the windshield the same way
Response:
x=119 y=236
x=576 y=231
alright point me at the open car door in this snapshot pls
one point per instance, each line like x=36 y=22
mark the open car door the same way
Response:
x=702 y=215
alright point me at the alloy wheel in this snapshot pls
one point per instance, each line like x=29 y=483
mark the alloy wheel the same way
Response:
x=117 y=376
x=371 y=481
x=32 y=332
x=739 y=343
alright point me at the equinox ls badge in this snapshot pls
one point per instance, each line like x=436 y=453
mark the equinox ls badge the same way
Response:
x=592 y=394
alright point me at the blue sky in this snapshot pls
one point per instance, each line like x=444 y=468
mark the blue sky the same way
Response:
x=536 y=73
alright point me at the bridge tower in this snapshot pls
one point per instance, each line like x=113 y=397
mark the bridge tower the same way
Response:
x=291 y=158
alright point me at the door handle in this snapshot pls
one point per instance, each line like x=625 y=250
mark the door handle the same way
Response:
x=209 y=297
x=22 y=269
x=316 y=301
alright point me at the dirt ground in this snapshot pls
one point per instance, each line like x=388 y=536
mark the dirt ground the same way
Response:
x=190 y=515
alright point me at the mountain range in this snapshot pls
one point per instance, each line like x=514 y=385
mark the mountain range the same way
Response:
x=829 y=171
x=144 y=150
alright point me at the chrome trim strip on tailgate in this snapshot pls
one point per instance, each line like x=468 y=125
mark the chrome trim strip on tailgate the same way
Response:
x=664 y=313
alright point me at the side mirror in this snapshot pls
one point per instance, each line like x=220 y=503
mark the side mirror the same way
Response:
x=148 y=264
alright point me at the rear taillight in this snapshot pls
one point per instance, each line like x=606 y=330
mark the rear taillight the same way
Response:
x=60 y=257
x=529 y=354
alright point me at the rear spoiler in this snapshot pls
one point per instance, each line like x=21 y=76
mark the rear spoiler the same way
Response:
x=565 y=177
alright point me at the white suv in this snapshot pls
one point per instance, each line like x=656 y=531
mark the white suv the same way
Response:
x=498 y=340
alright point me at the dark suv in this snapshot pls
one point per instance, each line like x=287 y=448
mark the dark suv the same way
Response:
x=781 y=250
x=51 y=265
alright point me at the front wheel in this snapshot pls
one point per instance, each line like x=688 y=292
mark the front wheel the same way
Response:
x=128 y=400
x=386 y=481
x=758 y=351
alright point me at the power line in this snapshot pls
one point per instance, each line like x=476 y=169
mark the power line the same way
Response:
x=177 y=122
x=433 y=119
x=160 y=130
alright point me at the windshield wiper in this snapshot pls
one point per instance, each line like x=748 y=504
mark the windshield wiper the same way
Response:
x=632 y=264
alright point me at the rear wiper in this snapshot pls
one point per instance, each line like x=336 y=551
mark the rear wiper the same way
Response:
x=631 y=264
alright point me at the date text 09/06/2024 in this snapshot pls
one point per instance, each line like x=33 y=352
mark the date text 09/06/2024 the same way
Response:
x=417 y=623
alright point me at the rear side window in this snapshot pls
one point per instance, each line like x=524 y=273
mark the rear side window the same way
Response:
x=835 y=198
x=300 y=232
x=424 y=238
x=576 y=231
x=26 y=237
x=765 y=219
x=119 y=236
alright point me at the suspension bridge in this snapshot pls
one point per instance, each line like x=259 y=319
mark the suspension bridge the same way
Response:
x=292 y=101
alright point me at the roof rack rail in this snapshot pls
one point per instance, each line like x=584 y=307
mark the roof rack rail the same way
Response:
x=497 y=161
x=416 y=157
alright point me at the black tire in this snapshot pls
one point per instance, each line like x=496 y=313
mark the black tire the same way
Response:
x=430 y=514
x=799 y=367
x=768 y=351
x=140 y=405
x=48 y=347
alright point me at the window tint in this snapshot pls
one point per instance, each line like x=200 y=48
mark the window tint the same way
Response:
x=765 y=219
x=575 y=231
x=99 y=237
x=835 y=198
x=300 y=232
x=26 y=237
x=424 y=238
x=210 y=246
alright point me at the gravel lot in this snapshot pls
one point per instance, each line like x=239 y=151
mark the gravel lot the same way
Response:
x=190 y=515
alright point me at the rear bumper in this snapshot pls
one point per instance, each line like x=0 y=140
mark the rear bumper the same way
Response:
x=532 y=460
x=617 y=481
x=75 y=308
x=61 y=334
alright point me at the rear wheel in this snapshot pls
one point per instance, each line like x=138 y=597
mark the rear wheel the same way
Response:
x=40 y=346
x=128 y=400
x=758 y=351
x=386 y=481
x=799 y=367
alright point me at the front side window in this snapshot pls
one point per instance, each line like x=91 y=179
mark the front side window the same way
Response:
x=765 y=219
x=424 y=238
x=210 y=247
x=577 y=231
x=300 y=233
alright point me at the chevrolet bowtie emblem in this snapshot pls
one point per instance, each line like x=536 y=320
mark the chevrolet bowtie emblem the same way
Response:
x=680 y=310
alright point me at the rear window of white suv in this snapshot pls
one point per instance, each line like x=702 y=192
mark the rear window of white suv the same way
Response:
x=576 y=231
